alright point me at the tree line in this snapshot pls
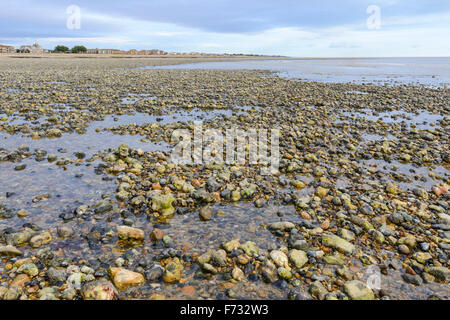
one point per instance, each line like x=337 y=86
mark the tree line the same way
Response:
x=75 y=49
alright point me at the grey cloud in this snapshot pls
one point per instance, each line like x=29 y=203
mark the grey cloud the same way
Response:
x=224 y=16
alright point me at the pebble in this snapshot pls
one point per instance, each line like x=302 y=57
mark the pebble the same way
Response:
x=206 y=213
x=334 y=241
x=357 y=290
x=298 y=258
x=40 y=240
x=156 y=235
x=65 y=232
x=9 y=250
x=129 y=233
x=173 y=271
x=123 y=278
x=280 y=258
x=99 y=290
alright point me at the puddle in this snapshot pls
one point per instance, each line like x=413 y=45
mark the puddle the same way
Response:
x=78 y=184
x=356 y=92
x=129 y=100
x=39 y=178
x=421 y=120
x=43 y=177
x=95 y=137
x=241 y=221
x=33 y=119
x=369 y=137
x=418 y=176
x=204 y=235
x=90 y=143
x=173 y=115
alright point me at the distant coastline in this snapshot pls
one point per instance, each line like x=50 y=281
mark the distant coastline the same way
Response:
x=182 y=56
x=86 y=55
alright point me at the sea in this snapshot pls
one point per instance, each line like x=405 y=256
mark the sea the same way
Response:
x=434 y=72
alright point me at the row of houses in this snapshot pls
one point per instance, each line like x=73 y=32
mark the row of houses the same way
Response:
x=7 y=49
x=154 y=52
x=37 y=49
x=130 y=52
x=33 y=48
x=103 y=51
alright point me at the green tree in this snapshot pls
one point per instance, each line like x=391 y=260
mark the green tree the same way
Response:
x=78 y=49
x=61 y=49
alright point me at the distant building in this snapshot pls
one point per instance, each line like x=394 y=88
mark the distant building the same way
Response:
x=7 y=49
x=129 y=52
x=103 y=51
x=34 y=48
x=110 y=51
x=157 y=52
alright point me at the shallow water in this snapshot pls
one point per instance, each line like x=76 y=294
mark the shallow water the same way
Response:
x=419 y=176
x=427 y=71
x=95 y=136
x=66 y=189
x=369 y=137
x=41 y=177
x=420 y=120
x=204 y=235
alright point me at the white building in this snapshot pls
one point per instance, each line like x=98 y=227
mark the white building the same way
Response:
x=7 y=49
x=34 y=48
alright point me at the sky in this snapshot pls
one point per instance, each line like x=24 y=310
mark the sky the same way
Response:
x=296 y=28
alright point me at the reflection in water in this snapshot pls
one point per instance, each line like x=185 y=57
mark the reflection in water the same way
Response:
x=93 y=140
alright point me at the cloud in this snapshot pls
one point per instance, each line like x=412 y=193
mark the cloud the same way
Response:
x=287 y=27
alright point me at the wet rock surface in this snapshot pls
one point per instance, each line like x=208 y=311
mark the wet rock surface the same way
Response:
x=91 y=206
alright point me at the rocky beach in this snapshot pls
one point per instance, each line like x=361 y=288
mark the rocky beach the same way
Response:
x=92 y=207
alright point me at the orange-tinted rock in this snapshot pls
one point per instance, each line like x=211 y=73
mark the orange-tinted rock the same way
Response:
x=157 y=235
x=123 y=278
x=326 y=224
x=20 y=280
x=125 y=233
x=188 y=290
x=156 y=186
x=439 y=190
x=305 y=215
